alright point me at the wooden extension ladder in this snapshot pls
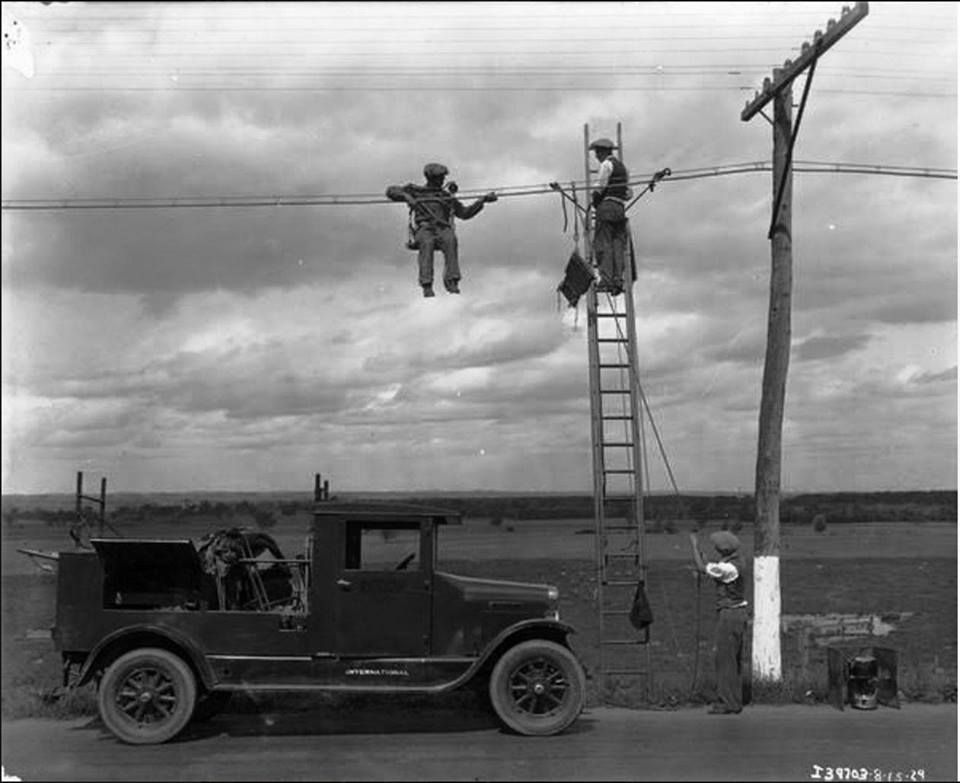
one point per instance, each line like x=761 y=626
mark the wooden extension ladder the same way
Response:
x=618 y=486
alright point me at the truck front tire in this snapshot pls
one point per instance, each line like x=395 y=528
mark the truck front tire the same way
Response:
x=538 y=688
x=147 y=696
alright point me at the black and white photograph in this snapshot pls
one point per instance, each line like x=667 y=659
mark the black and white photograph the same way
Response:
x=479 y=391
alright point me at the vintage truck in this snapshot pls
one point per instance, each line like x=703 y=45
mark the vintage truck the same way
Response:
x=364 y=608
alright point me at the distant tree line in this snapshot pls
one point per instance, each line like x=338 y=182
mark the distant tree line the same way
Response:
x=659 y=510
x=263 y=513
x=932 y=506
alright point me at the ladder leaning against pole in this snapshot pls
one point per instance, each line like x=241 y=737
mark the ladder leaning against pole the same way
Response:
x=618 y=488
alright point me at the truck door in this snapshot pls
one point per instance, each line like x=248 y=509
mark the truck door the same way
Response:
x=383 y=591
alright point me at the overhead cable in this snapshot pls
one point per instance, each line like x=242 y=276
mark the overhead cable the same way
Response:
x=177 y=88
x=510 y=191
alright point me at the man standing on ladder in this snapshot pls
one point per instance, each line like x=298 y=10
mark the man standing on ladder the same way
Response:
x=610 y=196
x=433 y=209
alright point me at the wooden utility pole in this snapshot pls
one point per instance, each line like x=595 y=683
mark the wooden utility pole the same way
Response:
x=766 y=568
x=766 y=547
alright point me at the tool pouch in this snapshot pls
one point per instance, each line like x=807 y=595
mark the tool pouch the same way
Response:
x=576 y=279
x=641 y=615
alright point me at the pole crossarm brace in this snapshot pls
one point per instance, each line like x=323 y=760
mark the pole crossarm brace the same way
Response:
x=789 y=160
x=791 y=69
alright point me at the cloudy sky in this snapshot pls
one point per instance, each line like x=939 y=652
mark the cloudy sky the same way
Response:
x=248 y=347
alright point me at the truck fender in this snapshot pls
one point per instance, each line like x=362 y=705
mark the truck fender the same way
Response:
x=553 y=630
x=148 y=635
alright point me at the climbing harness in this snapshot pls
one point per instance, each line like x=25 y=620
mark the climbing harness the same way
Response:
x=451 y=189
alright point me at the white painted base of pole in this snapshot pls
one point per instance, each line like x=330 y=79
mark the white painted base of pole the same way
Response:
x=766 y=619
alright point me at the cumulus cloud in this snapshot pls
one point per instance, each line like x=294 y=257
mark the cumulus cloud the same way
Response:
x=829 y=346
x=247 y=347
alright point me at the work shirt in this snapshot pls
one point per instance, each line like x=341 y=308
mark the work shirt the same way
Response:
x=729 y=583
x=612 y=179
x=434 y=207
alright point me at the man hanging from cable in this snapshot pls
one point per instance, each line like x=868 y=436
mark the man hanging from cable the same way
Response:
x=610 y=196
x=433 y=208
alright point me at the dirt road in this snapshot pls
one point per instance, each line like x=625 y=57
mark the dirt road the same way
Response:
x=917 y=742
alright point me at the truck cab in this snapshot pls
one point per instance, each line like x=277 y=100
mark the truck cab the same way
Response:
x=169 y=632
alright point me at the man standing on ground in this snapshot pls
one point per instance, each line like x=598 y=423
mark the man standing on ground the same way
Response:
x=609 y=199
x=727 y=575
x=434 y=208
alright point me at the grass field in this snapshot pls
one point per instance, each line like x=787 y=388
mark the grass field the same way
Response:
x=904 y=573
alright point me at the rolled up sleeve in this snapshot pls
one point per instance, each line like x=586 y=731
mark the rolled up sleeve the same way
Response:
x=723 y=572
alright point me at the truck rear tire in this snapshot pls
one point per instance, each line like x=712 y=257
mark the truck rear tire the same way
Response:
x=538 y=688
x=147 y=696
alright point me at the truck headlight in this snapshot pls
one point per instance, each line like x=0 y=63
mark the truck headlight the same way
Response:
x=552 y=593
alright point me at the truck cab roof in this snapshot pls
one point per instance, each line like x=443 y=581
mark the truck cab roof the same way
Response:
x=385 y=511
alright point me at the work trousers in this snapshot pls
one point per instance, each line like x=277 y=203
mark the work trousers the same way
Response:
x=730 y=631
x=430 y=238
x=610 y=242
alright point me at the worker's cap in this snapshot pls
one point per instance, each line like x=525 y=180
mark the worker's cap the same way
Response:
x=603 y=143
x=435 y=170
x=725 y=542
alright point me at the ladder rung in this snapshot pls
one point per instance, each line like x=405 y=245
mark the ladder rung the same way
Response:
x=625 y=471
x=613 y=366
x=618 y=417
x=615 y=391
x=620 y=582
x=620 y=527
x=620 y=554
x=612 y=340
x=611 y=315
x=616 y=443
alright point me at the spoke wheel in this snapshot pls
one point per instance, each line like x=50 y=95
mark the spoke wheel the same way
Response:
x=537 y=688
x=147 y=696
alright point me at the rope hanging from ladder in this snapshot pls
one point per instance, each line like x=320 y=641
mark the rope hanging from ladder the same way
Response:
x=577 y=276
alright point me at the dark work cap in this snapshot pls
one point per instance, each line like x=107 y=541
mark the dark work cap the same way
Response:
x=725 y=541
x=603 y=143
x=435 y=170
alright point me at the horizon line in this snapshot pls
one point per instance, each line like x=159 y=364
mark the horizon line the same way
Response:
x=475 y=491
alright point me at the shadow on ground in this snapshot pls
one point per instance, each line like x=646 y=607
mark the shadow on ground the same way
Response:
x=250 y=715
x=370 y=714
x=384 y=715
